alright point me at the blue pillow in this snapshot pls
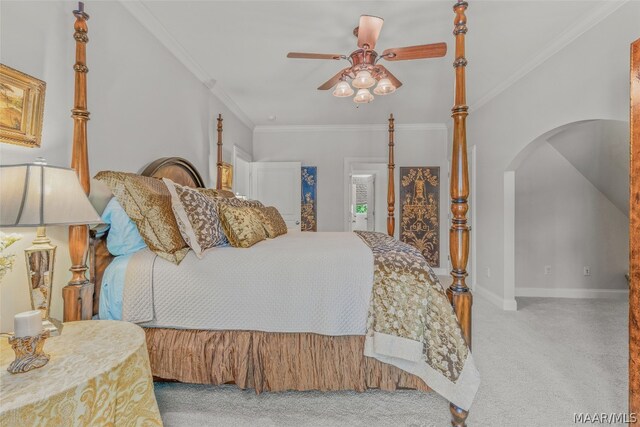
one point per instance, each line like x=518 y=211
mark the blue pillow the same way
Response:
x=124 y=237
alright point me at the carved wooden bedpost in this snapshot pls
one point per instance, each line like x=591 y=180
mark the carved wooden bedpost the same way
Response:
x=391 y=191
x=78 y=294
x=458 y=292
x=219 y=161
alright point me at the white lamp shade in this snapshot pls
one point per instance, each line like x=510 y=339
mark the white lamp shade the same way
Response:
x=363 y=80
x=363 y=96
x=33 y=195
x=385 y=87
x=343 y=89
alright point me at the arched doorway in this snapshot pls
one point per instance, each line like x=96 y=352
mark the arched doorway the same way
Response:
x=566 y=209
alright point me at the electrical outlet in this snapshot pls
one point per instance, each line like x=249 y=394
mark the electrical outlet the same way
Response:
x=586 y=270
x=488 y=272
x=547 y=270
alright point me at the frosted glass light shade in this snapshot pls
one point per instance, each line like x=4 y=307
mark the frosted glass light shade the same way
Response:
x=343 y=89
x=363 y=80
x=363 y=97
x=385 y=87
x=33 y=195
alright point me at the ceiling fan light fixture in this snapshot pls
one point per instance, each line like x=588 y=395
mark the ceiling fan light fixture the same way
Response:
x=363 y=97
x=385 y=87
x=343 y=90
x=363 y=80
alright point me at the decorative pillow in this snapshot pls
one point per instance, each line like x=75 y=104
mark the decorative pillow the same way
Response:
x=241 y=225
x=240 y=202
x=148 y=203
x=226 y=194
x=272 y=221
x=197 y=217
x=123 y=237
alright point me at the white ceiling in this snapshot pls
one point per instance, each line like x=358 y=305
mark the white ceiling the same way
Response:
x=242 y=46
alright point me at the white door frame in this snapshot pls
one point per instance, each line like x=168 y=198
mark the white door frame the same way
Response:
x=509 y=260
x=239 y=153
x=474 y=270
x=346 y=178
x=372 y=174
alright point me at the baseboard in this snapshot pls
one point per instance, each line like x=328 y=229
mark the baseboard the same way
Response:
x=572 y=293
x=505 y=304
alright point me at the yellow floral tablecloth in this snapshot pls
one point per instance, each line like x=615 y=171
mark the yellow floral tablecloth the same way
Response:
x=98 y=375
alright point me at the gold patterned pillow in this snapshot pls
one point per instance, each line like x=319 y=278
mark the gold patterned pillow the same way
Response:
x=225 y=194
x=272 y=221
x=148 y=203
x=239 y=202
x=241 y=225
x=197 y=217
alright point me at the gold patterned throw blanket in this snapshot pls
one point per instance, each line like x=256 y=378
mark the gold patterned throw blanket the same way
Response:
x=412 y=325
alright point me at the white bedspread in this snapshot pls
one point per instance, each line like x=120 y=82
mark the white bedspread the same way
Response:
x=300 y=282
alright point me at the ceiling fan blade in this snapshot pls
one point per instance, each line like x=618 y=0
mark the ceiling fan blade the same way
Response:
x=303 y=55
x=423 y=51
x=369 y=30
x=397 y=83
x=333 y=80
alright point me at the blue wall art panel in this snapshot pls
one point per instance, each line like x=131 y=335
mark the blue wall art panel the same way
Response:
x=309 y=198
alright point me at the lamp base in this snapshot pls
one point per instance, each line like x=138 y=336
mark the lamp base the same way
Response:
x=52 y=325
x=40 y=259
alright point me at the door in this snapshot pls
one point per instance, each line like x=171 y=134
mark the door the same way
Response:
x=371 y=207
x=471 y=219
x=279 y=184
x=362 y=202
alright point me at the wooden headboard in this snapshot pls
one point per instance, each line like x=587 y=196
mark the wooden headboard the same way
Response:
x=178 y=170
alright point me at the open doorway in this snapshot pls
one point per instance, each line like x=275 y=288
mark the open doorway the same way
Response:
x=566 y=210
x=376 y=205
x=363 y=209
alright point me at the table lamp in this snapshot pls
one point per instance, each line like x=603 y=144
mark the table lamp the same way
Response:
x=37 y=195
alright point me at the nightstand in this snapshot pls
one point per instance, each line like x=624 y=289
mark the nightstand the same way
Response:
x=98 y=374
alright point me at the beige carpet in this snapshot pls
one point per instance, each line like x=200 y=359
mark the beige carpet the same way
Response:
x=539 y=365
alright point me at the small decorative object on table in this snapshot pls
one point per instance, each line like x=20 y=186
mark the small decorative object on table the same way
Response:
x=36 y=195
x=28 y=342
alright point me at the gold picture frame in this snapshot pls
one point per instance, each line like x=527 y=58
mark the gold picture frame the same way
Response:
x=227 y=176
x=21 y=107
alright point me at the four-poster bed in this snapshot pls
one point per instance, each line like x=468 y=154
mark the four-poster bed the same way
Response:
x=356 y=371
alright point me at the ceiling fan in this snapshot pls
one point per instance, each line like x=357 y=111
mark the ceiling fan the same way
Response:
x=364 y=70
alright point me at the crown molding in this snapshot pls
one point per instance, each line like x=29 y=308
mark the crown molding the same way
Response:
x=348 y=128
x=562 y=41
x=218 y=91
x=144 y=16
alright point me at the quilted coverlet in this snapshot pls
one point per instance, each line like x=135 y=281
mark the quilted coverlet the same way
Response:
x=411 y=323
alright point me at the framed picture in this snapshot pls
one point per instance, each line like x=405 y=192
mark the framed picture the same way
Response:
x=420 y=210
x=227 y=176
x=21 y=107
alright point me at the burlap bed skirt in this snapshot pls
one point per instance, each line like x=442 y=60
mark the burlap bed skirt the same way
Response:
x=271 y=361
